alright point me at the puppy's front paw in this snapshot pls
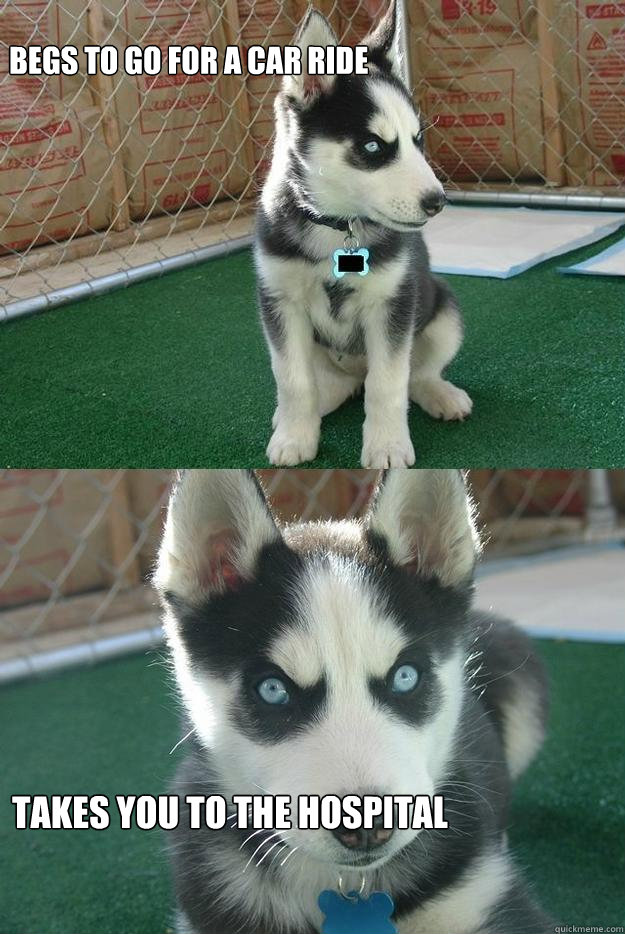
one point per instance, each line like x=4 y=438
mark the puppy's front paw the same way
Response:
x=381 y=449
x=441 y=399
x=292 y=443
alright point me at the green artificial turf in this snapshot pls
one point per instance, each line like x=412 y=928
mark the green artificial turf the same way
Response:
x=174 y=372
x=110 y=729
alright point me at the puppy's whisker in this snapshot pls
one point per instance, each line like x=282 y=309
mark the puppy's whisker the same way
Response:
x=277 y=854
x=288 y=856
x=254 y=834
x=429 y=123
x=180 y=742
x=259 y=848
x=271 y=848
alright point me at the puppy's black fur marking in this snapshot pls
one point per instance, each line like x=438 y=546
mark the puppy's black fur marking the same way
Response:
x=499 y=642
x=272 y=320
x=242 y=623
x=519 y=915
x=402 y=312
x=419 y=705
x=281 y=237
x=269 y=724
x=337 y=292
x=342 y=114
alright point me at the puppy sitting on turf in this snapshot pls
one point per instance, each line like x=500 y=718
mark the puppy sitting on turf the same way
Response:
x=345 y=289
x=344 y=658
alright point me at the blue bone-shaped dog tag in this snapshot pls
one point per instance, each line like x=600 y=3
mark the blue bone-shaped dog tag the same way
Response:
x=351 y=261
x=356 y=915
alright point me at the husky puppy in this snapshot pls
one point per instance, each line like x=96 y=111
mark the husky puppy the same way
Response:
x=350 y=149
x=345 y=658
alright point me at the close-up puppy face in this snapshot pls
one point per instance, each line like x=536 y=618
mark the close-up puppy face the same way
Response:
x=357 y=140
x=323 y=659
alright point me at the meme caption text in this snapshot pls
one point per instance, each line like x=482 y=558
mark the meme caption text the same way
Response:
x=51 y=60
x=258 y=812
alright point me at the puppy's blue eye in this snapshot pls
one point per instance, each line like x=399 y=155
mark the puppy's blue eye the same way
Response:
x=273 y=691
x=372 y=146
x=405 y=679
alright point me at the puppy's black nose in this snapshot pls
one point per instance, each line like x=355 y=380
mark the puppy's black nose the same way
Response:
x=433 y=202
x=364 y=839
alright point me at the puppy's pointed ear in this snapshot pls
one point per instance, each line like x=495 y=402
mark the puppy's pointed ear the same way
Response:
x=306 y=88
x=217 y=523
x=426 y=519
x=383 y=43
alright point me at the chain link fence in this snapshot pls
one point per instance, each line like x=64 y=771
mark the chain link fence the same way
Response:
x=106 y=179
x=77 y=546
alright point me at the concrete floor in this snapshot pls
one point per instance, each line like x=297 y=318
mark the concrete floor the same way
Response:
x=575 y=593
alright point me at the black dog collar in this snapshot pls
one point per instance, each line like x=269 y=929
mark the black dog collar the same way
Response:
x=336 y=223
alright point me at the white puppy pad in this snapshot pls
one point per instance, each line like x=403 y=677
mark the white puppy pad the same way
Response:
x=502 y=242
x=610 y=262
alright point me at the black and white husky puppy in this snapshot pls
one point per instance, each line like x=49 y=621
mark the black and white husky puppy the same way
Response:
x=344 y=658
x=351 y=148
